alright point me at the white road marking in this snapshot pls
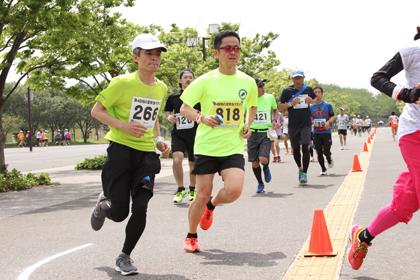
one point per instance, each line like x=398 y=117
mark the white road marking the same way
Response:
x=28 y=271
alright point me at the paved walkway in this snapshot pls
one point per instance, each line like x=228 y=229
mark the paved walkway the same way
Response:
x=257 y=237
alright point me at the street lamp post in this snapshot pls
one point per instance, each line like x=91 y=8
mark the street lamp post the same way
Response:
x=193 y=41
x=204 y=48
x=29 y=118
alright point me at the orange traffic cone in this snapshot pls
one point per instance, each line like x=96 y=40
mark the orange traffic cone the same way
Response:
x=365 y=148
x=368 y=140
x=356 y=164
x=320 y=243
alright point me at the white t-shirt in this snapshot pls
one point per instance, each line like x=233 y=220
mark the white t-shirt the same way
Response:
x=410 y=117
x=342 y=121
x=394 y=119
x=285 y=125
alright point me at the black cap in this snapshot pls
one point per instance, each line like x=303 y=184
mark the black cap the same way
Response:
x=258 y=81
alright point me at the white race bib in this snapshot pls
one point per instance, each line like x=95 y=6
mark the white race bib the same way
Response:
x=183 y=123
x=319 y=122
x=144 y=110
x=261 y=117
x=302 y=103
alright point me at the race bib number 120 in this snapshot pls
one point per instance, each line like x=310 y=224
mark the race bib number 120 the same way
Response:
x=144 y=110
x=183 y=123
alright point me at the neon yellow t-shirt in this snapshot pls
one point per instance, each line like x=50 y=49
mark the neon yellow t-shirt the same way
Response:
x=225 y=95
x=265 y=106
x=127 y=98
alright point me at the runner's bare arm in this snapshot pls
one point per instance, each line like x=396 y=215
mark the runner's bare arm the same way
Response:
x=287 y=105
x=171 y=118
x=100 y=113
x=161 y=145
x=248 y=121
x=330 y=121
x=192 y=114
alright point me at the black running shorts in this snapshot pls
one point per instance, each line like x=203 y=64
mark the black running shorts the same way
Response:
x=126 y=170
x=182 y=144
x=211 y=165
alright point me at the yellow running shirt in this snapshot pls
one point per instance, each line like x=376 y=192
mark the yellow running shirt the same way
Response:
x=224 y=95
x=266 y=104
x=127 y=98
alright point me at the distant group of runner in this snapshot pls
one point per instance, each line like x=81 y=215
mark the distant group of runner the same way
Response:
x=211 y=117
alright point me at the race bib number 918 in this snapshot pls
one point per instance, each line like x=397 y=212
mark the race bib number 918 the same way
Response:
x=231 y=112
x=144 y=110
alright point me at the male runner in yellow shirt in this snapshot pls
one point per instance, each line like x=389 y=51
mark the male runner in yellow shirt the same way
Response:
x=219 y=144
x=130 y=106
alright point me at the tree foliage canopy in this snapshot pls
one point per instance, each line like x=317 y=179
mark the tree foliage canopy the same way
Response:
x=78 y=46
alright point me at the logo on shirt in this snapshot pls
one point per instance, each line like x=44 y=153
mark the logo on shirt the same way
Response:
x=242 y=94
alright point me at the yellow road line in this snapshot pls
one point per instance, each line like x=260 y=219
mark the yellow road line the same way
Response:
x=339 y=215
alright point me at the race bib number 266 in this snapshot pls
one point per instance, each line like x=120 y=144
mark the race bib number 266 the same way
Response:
x=144 y=110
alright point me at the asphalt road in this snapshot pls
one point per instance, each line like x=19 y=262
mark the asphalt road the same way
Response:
x=256 y=237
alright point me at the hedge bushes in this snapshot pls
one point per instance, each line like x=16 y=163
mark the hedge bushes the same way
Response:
x=96 y=163
x=16 y=181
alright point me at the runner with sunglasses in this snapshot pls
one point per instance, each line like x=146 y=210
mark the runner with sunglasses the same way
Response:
x=224 y=95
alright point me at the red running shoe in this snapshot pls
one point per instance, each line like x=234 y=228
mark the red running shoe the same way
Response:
x=207 y=219
x=358 y=250
x=191 y=245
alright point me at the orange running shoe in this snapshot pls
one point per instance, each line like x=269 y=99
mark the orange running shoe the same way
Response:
x=191 y=245
x=207 y=219
x=358 y=250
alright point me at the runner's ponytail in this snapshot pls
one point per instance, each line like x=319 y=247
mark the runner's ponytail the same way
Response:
x=417 y=36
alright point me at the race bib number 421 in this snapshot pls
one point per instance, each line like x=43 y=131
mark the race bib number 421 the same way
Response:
x=261 y=117
x=144 y=110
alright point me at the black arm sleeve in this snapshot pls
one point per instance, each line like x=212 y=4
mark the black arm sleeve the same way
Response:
x=168 y=105
x=381 y=80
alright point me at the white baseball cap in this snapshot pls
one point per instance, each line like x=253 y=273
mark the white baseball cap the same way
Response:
x=147 y=42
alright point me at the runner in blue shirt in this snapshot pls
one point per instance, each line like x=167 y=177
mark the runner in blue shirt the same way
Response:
x=296 y=99
x=322 y=115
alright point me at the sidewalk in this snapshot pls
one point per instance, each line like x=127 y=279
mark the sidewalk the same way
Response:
x=66 y=186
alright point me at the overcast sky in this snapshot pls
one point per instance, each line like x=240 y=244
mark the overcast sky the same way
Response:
x=334 y=41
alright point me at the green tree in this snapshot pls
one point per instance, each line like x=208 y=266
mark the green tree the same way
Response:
x=11 y=124
x=84 y=121
x=38 y=34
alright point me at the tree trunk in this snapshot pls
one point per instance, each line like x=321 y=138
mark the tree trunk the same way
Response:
x=85 y=133
x=2 y=144
x=3 y=166
x=97 y=132
x=74 y=135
